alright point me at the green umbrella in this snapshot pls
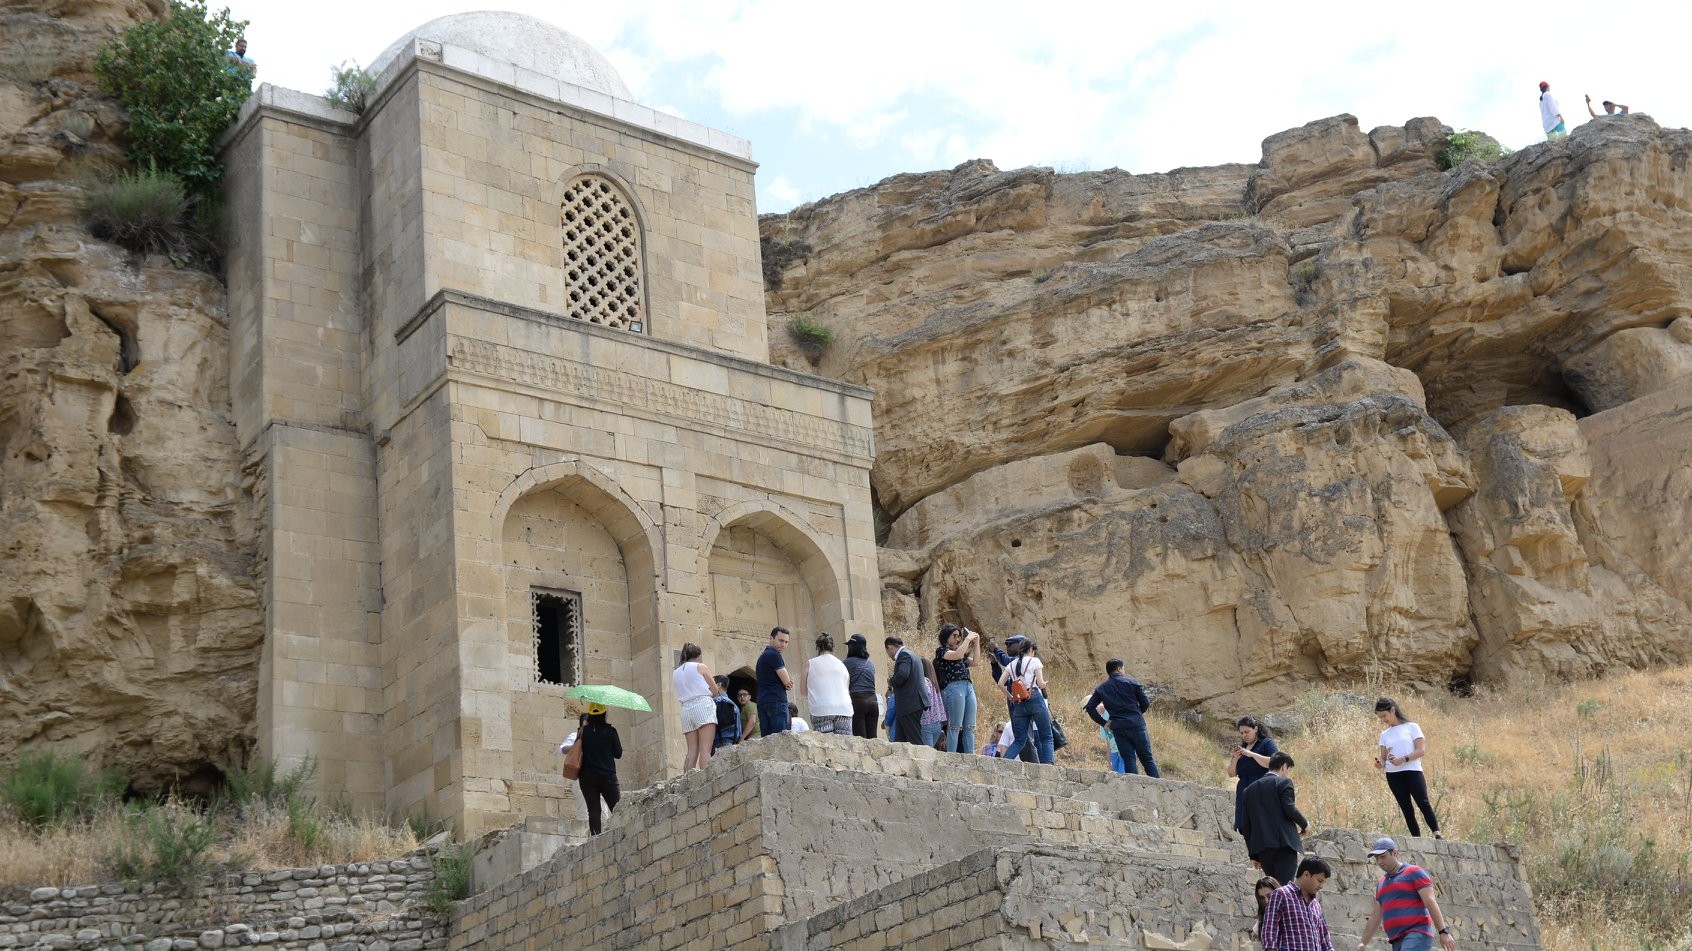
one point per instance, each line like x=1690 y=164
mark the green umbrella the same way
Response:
x=608 y=695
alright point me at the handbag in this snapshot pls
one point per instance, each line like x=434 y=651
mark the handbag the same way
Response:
x=1016 y=688
x=1059 y=741
x=573 y=760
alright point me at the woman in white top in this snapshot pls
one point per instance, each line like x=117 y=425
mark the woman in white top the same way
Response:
x=825 y=688
x=1401 y=750
x=695 y=688
x=1032 y=712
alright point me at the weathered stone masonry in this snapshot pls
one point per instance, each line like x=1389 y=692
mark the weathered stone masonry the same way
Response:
x=362 y=905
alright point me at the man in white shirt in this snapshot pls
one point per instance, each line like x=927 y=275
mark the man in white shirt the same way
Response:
x=1551 y=114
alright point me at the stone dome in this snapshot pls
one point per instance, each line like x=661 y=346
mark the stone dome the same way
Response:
x=518 y=38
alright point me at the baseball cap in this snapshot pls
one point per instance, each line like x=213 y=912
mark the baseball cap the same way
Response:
x=1383 y=845
x=1015 y=639
x=1544 y=85
x=856 y=639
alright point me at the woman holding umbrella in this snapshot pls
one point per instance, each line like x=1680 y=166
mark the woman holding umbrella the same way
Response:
x=601 y=749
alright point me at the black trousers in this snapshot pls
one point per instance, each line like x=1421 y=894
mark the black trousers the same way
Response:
x=1279 y=864
x=594 y=788
x=1411 y=786
x=866 y=715
x=908 y=729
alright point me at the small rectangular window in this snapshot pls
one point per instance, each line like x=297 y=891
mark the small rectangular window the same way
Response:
x=557 y=620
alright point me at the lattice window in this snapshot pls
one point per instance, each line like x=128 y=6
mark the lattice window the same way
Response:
x=556 y=619
x=602 y=255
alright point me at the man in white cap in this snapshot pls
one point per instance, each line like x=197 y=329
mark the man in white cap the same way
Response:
x=1405 y=907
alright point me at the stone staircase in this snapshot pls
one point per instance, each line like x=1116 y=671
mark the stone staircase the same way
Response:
x=817 y=842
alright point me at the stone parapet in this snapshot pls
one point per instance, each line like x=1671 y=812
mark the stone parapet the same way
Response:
x=362 y=905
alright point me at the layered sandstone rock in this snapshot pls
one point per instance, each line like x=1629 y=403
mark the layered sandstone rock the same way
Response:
x=1206 y=419
x=130 y=618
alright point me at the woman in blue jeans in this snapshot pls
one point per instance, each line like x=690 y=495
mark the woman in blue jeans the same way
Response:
x=1032 y=712
x=957 y=653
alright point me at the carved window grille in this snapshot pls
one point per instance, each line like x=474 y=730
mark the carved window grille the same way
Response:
x=556 y=623
x=602 y=255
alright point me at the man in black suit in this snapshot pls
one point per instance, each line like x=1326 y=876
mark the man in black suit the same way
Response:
x=1273 y=823
x=909 y=700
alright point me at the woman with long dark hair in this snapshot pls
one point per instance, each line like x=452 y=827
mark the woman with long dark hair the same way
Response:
x=1265 y=887
x=1032 y=714
x=860 y=686
x=601 y=749
x=1249 y=762
x=956 y=655
x=1402 y=748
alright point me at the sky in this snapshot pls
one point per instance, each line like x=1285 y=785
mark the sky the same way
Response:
x=840 y=96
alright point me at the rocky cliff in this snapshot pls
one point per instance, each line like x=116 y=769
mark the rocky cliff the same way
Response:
x=1338 y=416
x=129 y=614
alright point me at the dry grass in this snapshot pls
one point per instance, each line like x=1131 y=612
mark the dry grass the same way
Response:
x=1593 y=781
x=262 y=837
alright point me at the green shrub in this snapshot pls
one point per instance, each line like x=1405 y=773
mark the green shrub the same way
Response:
x=164 y=842
x=147 y=211
x=352 y=88
x=171 y=77
x=304 y=826
x=260 y=783
x=811 y=335
x=44 y=790
x=452 y=880
x=1304 y=276
x=1463 y=146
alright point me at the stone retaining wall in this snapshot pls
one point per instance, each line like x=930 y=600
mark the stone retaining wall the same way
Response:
x=814 y=843
x=371 y=906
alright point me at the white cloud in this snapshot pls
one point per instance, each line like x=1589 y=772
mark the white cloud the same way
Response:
x=778 y=191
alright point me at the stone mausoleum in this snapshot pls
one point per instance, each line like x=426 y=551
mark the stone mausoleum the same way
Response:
x=500 y=372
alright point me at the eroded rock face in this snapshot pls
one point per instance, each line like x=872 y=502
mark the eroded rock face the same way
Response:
x=129 y=611
x=1290 y=347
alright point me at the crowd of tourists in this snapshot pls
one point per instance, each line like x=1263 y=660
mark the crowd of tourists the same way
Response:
x=930 y=699
x=1266 y=814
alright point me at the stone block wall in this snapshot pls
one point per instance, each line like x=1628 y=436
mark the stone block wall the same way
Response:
x=954 y=907
x=296 y=338
x=363 y=905
x=689 y=870
x=803 y=842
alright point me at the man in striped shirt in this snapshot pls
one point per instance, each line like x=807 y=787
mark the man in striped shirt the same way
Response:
x=1293 y=920
x=1405 y=907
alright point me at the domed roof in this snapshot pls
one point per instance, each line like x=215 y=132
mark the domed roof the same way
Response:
x=517 y=38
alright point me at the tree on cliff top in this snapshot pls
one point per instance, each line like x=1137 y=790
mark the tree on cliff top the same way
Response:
x=172 y=78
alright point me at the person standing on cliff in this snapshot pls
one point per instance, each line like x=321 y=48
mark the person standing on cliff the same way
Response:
x=1610 y=109
x=1273 y=823
x=1405 y=907
x=1551 y=114
x=237 y=63
x=1126 y=702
